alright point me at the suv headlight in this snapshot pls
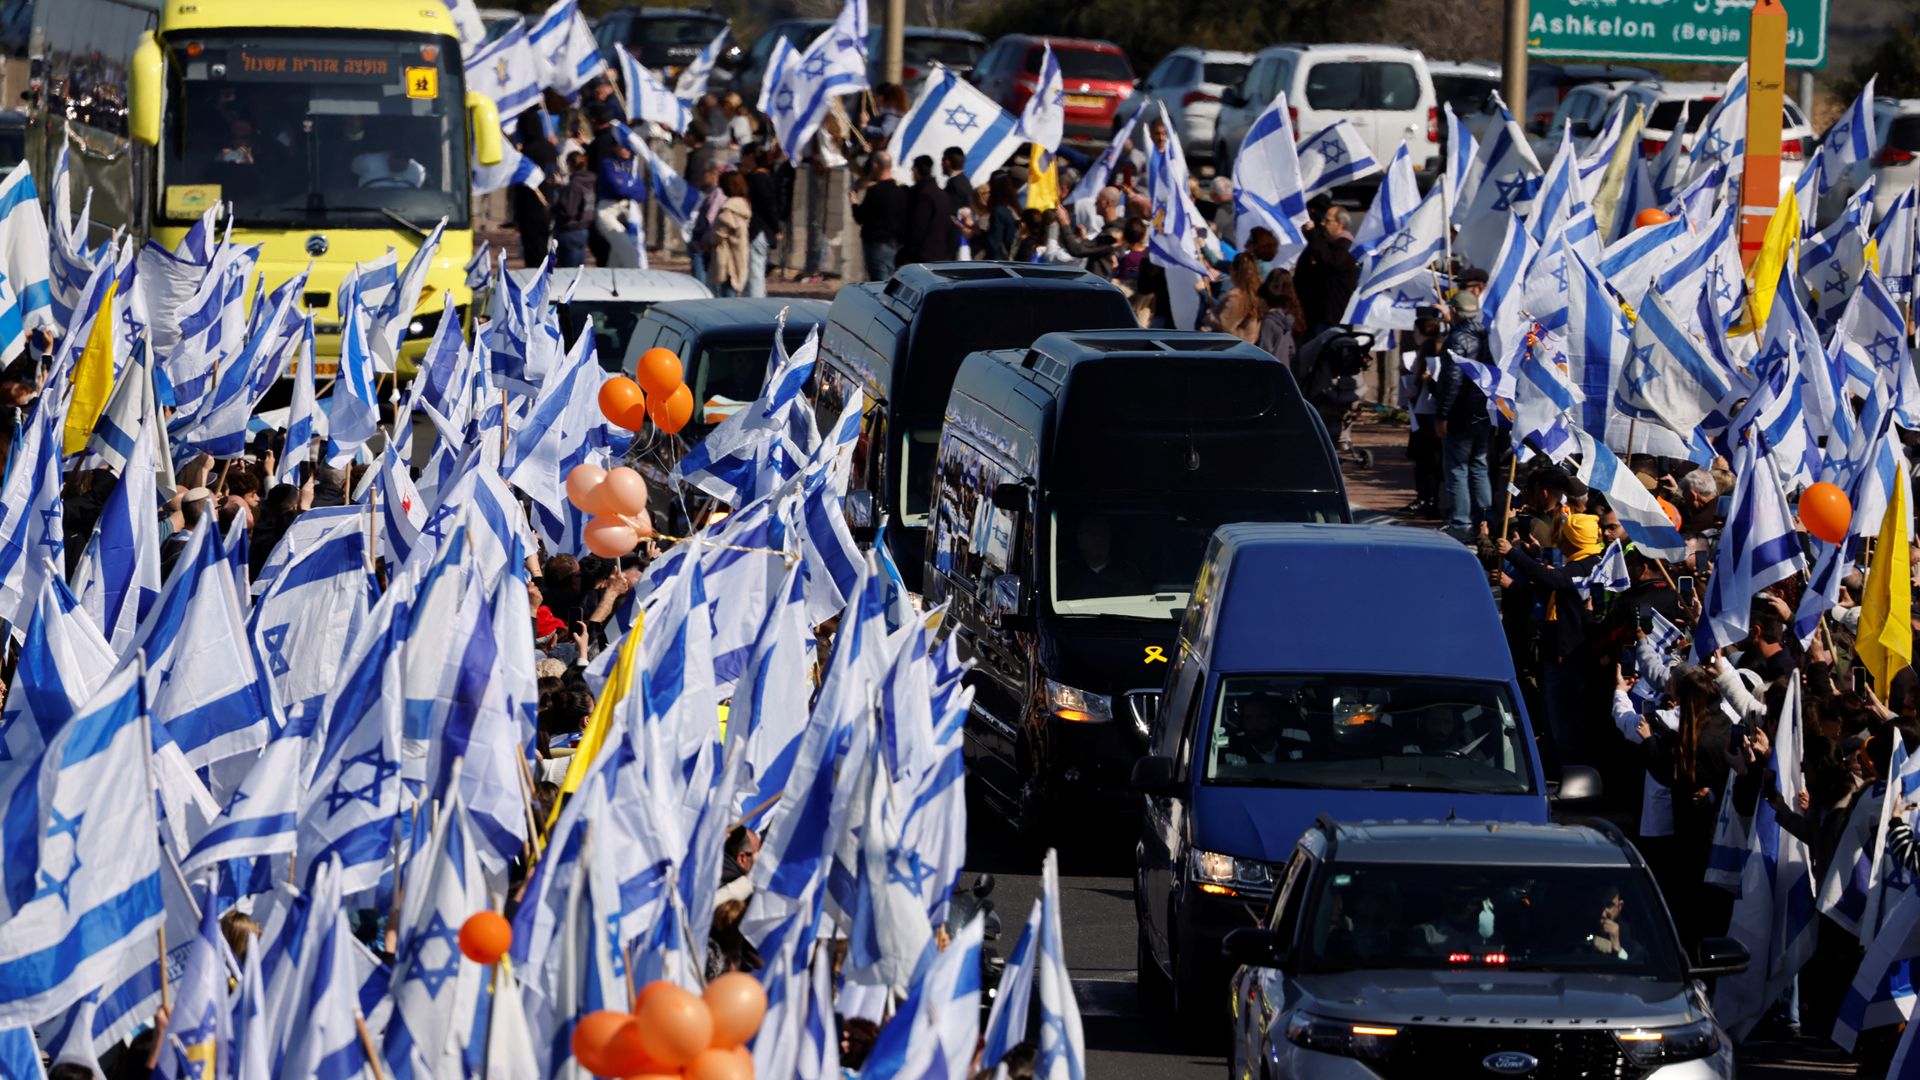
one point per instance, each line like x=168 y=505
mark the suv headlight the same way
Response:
x=1368 y=1042
x=1649 y=1047
x=1224 y=875
x=1077 y=705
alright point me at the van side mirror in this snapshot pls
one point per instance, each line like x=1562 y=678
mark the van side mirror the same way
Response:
x=1577 y=783
x=862 y=518
x=1153 y=775
x=146 y=90
x=1254 y=946
x=1010 y=497
x=1718 y=956
x=485 y=117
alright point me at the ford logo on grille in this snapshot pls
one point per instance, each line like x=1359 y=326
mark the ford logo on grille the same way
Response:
x=1510 y=1063
x=316 y=245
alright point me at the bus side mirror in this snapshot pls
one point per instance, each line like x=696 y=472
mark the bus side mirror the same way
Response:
x=485 y=118
x=146 y=90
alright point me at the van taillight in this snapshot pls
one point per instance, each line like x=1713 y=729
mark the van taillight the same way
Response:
x=1433 y=125
x=1293 y=120
x=1652 y=147
x=1192 y=96
x=1790 y=150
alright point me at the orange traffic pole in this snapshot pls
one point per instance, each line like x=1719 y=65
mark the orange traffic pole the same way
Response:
x=1766 y=86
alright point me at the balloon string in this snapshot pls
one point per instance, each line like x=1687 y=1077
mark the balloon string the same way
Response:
x=786 y=556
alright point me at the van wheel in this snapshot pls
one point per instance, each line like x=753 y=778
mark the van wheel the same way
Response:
x=1151 y=984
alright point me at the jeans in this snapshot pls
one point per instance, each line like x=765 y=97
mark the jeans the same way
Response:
x=1467 y=494
x=698 y=267
x=571 y=248
x=757 y=265
x=879 y=255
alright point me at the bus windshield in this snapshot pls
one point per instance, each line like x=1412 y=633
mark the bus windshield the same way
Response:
x=349 y=130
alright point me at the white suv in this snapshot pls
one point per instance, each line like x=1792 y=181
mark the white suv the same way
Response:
x=1189 y=83
x=1384 y=90
x=1896 y=164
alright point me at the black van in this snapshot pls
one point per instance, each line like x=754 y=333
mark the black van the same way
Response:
x=901 y=341
x=1076 y=485
x=723 y=345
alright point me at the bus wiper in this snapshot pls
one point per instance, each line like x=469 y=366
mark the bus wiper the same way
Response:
x=390 y=214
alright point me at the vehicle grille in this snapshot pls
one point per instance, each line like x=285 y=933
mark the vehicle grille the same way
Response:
x=1423 y=1052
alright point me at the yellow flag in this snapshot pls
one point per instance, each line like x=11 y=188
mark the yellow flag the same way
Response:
x=594 y=731
x=1782 y=232
x=1885 y=640
x=1043 y=179
x=92 y=378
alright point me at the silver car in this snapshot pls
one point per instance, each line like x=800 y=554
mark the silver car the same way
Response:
x=1189 y=83
x=1463 y=949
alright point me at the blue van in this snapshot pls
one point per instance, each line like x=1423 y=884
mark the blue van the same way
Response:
x=1358 y=672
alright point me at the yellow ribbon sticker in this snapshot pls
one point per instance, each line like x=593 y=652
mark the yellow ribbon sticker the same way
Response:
x=1155 y=654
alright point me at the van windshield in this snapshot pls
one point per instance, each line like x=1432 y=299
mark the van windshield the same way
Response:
x=1367 y=733
x=1447 y=916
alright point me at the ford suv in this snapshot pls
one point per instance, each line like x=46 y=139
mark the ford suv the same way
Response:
x=1457 y=949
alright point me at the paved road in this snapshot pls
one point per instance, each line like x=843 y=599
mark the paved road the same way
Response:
x=1098 y=926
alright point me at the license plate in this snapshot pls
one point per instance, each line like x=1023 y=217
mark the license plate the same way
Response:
x=1085 y=101
x=325 y=367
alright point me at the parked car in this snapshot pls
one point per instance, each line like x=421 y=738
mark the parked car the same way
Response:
x=1075 y=488
x=924 y=46
x=498 y=20
x=724 y=346
x=1383 y=90
x=1469 y=87
x=1189 y=83
x=900 y=342
x=1455 y=947
x=1096 y=73
x=608 y=301
x=1359 y=703
x=1582 y=114
x=753 y=65
x=664 y=39
x=1896 y=165
x=1548 y=83
x=1698 y=98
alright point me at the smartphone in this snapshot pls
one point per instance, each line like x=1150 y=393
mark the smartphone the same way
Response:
x=1684 y=586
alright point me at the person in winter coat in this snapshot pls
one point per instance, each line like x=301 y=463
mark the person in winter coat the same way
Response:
x=1285 y=320
x=731 y=238
x=1241 y=309
x=1461 y=420
x=572 y=207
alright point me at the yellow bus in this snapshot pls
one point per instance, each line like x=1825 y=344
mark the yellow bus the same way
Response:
x=330 y=130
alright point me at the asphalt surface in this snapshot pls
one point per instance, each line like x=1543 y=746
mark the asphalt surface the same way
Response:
x=1098 y=928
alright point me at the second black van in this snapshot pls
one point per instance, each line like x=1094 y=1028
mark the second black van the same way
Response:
x=1076 y=484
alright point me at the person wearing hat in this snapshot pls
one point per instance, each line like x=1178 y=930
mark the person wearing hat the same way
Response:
x=1562 y=620
x=1460 y=416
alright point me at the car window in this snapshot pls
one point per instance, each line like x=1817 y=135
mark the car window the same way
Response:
x=1157 y=76
x=1185 y=72
x=1090 y=64
x=1398 y=86
x=1337 y=86
x=952 y=52
x=1290 y=897
x=1904 y=133
x=677 y=31
x=1224 y=73
x=1667 y=113
x=1468 y=94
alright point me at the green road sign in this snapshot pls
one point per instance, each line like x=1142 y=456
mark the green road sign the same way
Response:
x=1698 y=30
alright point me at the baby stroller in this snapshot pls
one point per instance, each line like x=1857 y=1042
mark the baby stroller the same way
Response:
x=1328 y=368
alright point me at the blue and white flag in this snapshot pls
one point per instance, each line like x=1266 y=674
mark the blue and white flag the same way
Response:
x=1268 y=189
x=1504 y=300
x=354 y=415
x=394 y=315
x=679 y=199
x=1007 y=1022
x=1043 y=120
x=779 y=63
x=1872 y=331
x=1393 y=203
x=1637 y=194
x=1597 y=338
x=20 y=1054
x=1668 y=171
x=953 y=112
x=1722 y=134
x=1882 y=992
x=1757 y=548
x=835 y=64
x=1850 y=139
x=199 y=1031
x=32 y=536
x=435 y=988
x=305 y=421
x=1609 y=574
x=738 y=458
x=205 y=689
x=1503 y=179
x=831 y=557
x=82 y=841
x=694 y=77
x=648 y=98
x=937 y=1029
x=118 y=579
x=303 y=622
x=1063 y=1047
x=25 y=248
x=1399 y=278
x=1834 y=261
x=562 y=44
x=323 y=1036
x=1544 y=399
x=1631 y=263
x=219 y=426
x=505 y=70
x=1708 y=265
x=1893 y=240
x=1668 y=380
x=63 y=662
x=1560 y=208
x=1646 y=525
x=1336 y=154
x=1457 y=170
x=1776 y=411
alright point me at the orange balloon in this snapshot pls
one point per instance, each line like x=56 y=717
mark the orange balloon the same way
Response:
x=674 y=1025
x=738 y=1004
x=1652 y=215
x=658 y=371
x=581 y=482
x=635 y=417
x=591 y=1039
x=609 y=537
x=617 y=396
x=485 y=937
x=625 y=1056
x=718 y=1064
x=1826 y=512
x=623 y=492
x=671 y=412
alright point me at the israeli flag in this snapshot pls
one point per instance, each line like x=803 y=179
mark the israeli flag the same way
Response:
x=1063 y=1047
x=63 y=660
x=1007 y=1022
x=355 y=412
x=1334 y=155
x=1543 y=401
x=679 y=199
x=1893 y=239
x=323 y=1038
x=1637 y=194
x=1268 y=189
x=562 y=44
x=1393 y=203
x=730 y=463
x=219 y=427
x=694 y=77
x=1043 y=121
x=1503 y=179
x=648 y=98
x=1632 y=262
x=199 y=1031
x=1646 y=525
x=1668 y=173
x=1776 y=411
x=937 y=1029
x=1462 y=148
x=1757 y=548
x=1560 y=208
x=305 y=421
x=1707 y=264
x=953 y=112
x=1872 y=331
x=505 y=70
x=1503 y=302
x=1668 y=380
x=1882 y=991
x=1101 y=170
x=1832 y=263
x=1598 y=341
x=32 y=537
x=835 y=64
x=81 y=840
x=779 y=62
x=1399 y=278
x=20 y=1054
x=1722 y=135
x=394 y=315
x=1609 y=574
x=1850 y=139
x=1171 y=238
x=435 y=988
x=830 y=556
x=118 y=578
x=25 y=248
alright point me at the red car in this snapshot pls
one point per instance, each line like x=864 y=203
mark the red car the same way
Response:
x=1096 y=73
